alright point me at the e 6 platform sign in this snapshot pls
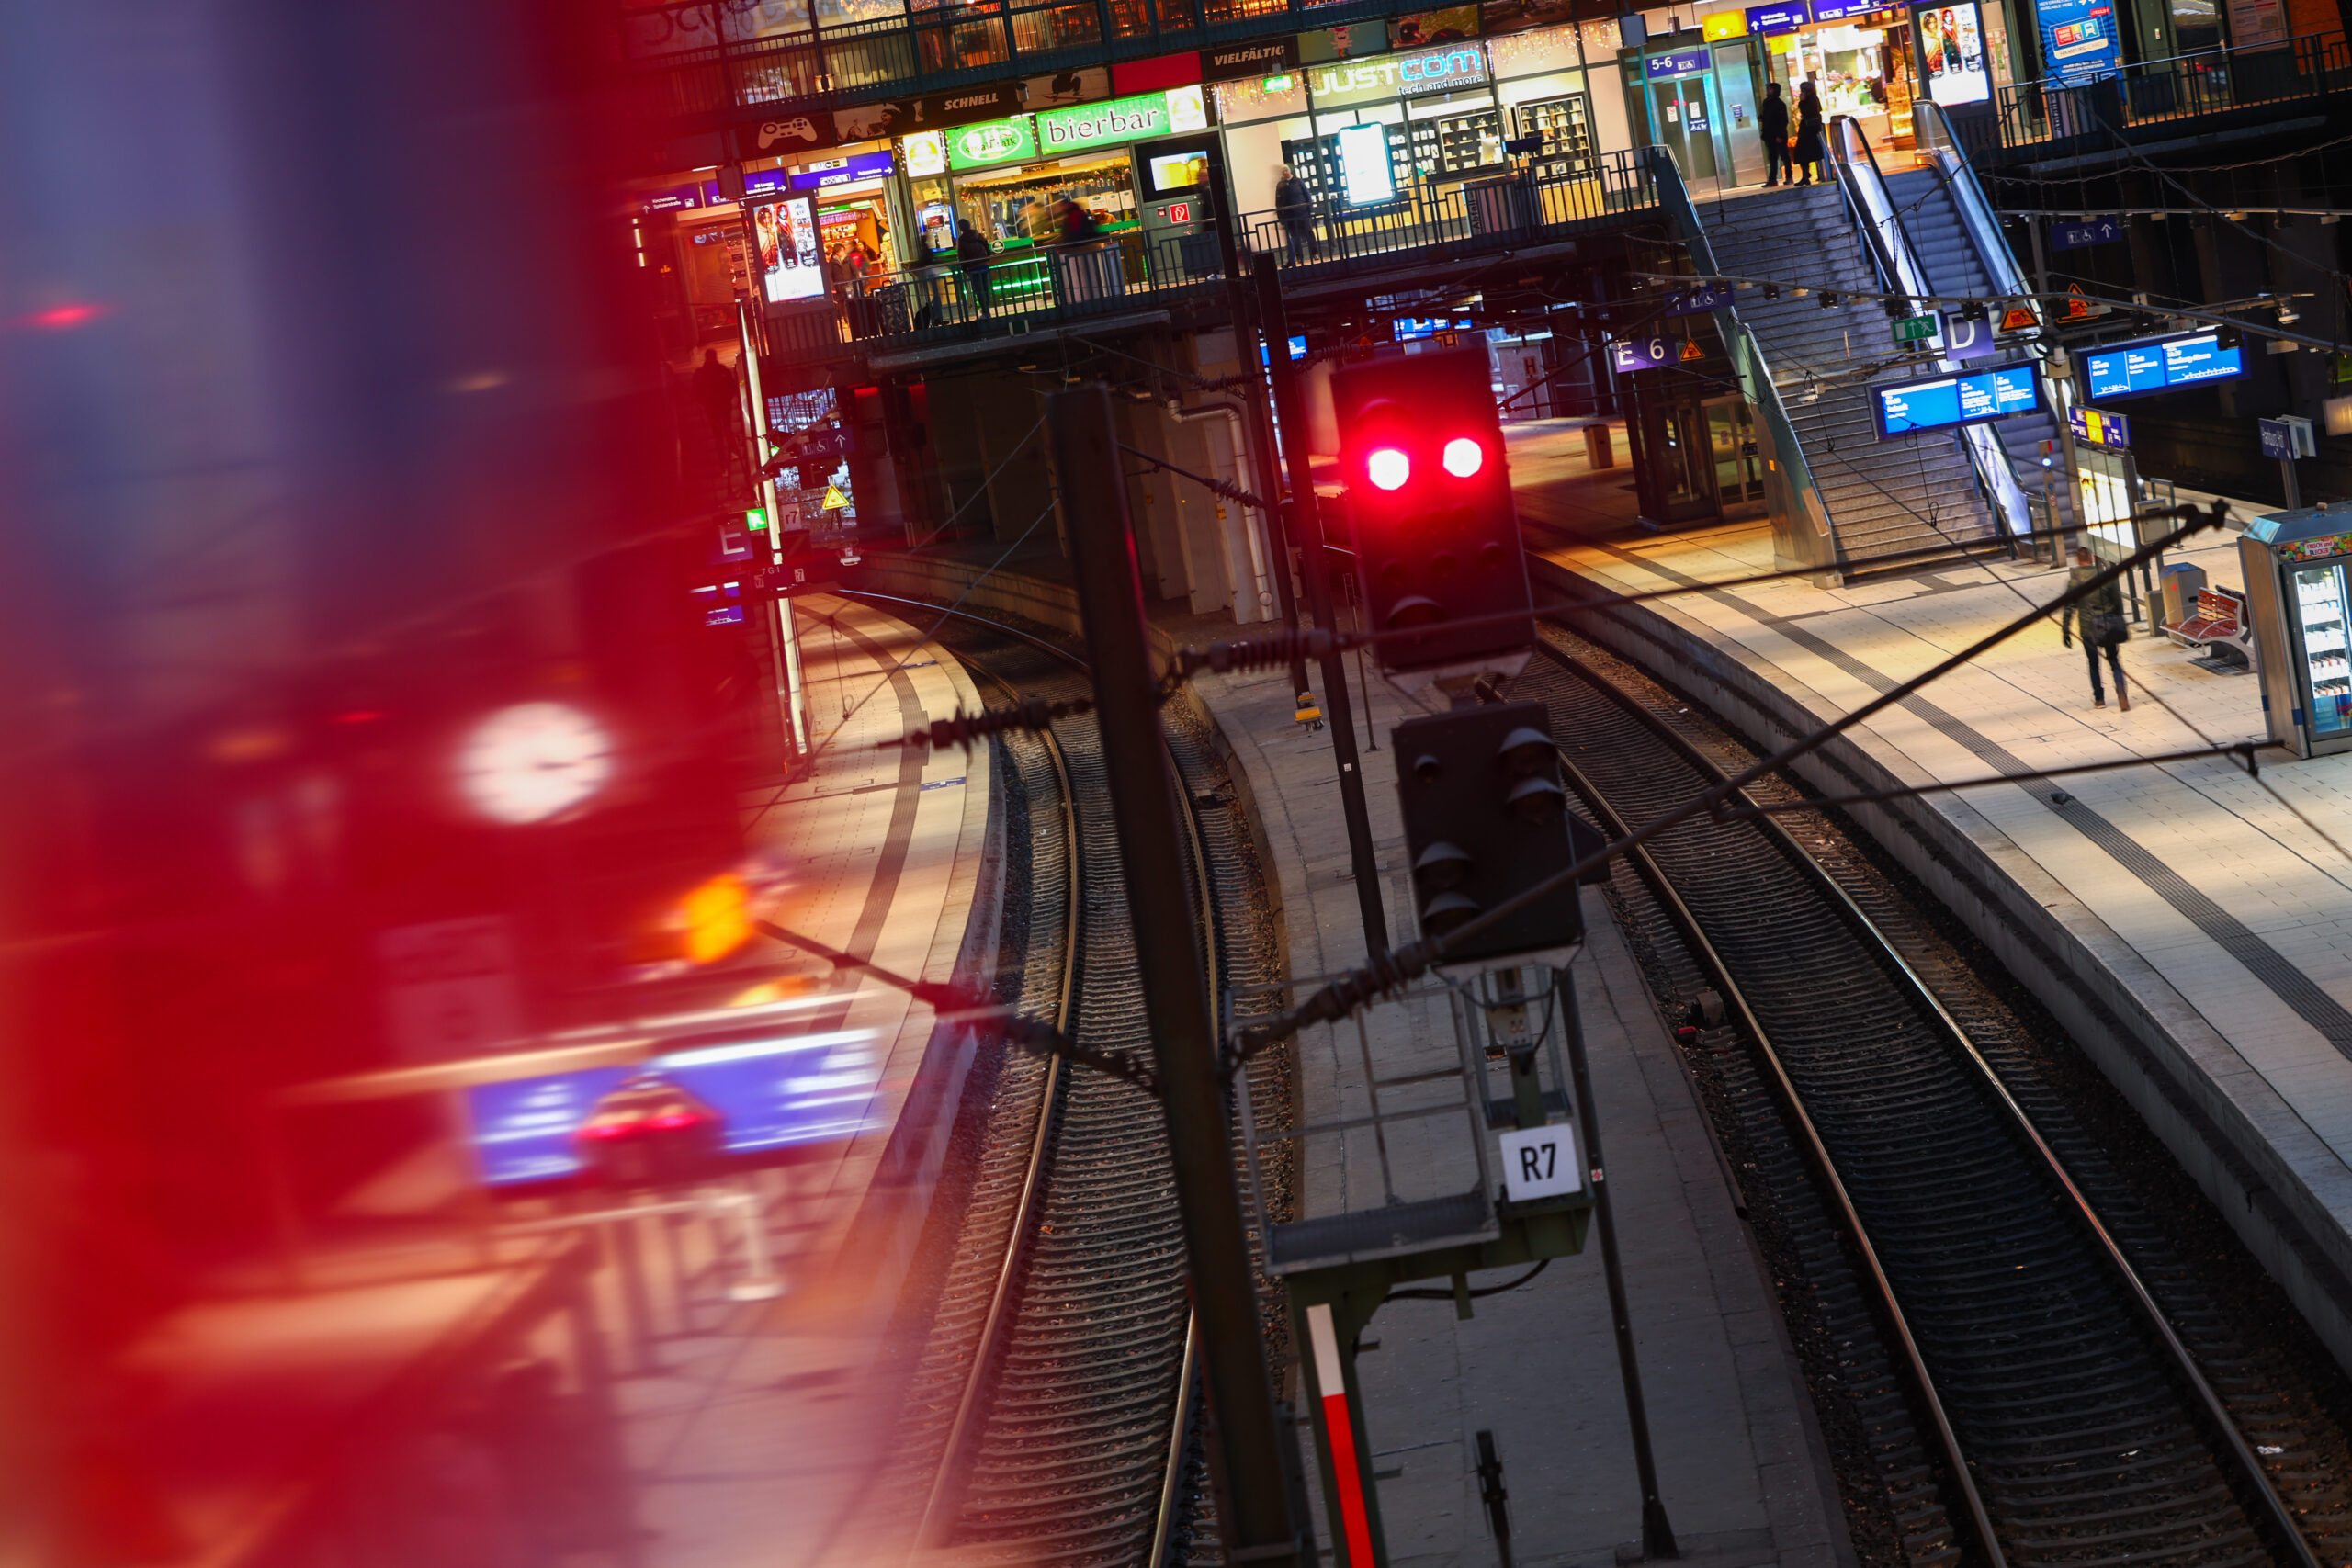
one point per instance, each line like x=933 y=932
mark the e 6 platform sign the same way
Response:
x=1907 y=407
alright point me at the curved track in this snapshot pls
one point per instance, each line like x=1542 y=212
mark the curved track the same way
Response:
x=1051 y=1417
x=2032 y=1403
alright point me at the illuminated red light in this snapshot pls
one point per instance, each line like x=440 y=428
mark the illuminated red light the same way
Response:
x=62 y=318
x=1464 y=458
x=1388 y=469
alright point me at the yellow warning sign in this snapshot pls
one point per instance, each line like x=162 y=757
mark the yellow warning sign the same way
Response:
x=1690 y=349
x=1308 y=712
x=2079 y=309
x=2017 y=318
x=834 y=499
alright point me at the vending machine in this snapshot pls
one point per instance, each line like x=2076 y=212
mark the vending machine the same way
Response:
x=2296 y=564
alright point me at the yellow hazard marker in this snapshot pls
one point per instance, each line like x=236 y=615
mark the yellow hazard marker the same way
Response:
x=1308 y=713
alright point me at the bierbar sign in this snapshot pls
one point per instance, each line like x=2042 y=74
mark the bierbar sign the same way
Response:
x=1177 y=110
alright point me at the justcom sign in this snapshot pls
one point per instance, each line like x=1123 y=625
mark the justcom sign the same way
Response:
x=1398 y=75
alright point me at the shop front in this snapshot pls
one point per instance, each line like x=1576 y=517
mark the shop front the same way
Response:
x=1385 y=130
x=1872 y=63
x=1016 y=181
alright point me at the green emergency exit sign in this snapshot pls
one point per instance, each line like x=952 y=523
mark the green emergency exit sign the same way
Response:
x=1915 y=329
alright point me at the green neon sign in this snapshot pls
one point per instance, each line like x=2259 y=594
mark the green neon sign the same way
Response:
x=1062 y=131
x=991 y=141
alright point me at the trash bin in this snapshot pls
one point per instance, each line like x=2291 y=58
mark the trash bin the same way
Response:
x=1088 y=272
x=2182 y=582
x=1597 y=451
x=1504 y=206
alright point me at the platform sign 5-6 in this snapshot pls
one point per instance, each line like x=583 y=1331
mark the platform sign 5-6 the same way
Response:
x=1541 y=1162
x=1642 y=352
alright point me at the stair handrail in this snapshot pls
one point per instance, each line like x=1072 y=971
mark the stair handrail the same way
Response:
x=1898 y=264
x=1805 y=531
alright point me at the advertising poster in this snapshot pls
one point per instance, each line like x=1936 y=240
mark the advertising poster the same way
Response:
x=2258 y=24
x=2079 y=40
x=1449 y=25
x=791 y=260
x=1952 y=54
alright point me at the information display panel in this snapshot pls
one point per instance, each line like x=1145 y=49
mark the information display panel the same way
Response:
x=1906 y=408
x=2164 y=364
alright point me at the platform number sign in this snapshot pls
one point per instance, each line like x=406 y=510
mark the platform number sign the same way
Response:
x=1541 y=1162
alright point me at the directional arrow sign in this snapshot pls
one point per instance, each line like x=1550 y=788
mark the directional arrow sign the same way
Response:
x=1915 y=329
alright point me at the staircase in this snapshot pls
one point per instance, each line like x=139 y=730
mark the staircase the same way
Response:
x=1952 y=265
x=1910 y=494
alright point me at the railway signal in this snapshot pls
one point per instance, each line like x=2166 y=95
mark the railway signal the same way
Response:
x=1486 y=818
x=1429 y=491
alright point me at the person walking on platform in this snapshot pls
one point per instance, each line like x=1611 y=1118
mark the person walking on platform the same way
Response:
x=1772 y=124
x=1809 y=133
x=2098 y=615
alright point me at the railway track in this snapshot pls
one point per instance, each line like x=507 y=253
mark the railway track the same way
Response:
x=2016 y=1389
x=1052 y=1414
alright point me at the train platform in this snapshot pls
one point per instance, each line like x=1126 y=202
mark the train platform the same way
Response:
x=259 y=1422
x=2190 y=925
x=1745 y=1473
x=768 y=1429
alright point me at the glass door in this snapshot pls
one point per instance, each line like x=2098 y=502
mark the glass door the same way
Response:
x=1683 y=110
x=2317 y=594
x=1731 y=443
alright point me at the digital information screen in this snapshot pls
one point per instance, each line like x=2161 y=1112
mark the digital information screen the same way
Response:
x=1364 y=169
x=2162 y=364
x=1908 y=407
x=769 y=1094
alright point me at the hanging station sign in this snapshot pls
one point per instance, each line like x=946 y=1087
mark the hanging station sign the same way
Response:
x=2165 y=364
x=1680 y=62
x=1064 y=131
x=1906 y=408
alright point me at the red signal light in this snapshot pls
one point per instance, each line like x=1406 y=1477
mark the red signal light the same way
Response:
x=1464 y=458
x=1388 y=469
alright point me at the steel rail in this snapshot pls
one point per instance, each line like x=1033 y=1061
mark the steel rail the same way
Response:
x=2223 y=1430
x=1923 y=1383
x=938 y=1506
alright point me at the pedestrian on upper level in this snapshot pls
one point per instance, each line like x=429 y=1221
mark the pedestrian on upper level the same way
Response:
x=1772 y=124
x=1295 y=204
x=1809 y=132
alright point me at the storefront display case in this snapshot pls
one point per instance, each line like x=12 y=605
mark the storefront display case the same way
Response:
x=1565 y=126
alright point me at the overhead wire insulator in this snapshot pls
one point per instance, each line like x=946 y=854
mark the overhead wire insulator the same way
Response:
x=1256 y=652
x=1035 y=714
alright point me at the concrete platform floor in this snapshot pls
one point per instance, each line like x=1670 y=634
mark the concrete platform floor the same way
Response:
x=2215 y=904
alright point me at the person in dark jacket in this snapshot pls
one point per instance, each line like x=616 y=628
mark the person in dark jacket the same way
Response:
x=972 y=254
x=1809 y=136
x=1772 y=124
x=1296 y=206
x=2098 y=616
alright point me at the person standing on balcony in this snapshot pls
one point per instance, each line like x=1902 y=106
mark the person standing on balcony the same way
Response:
x=1809 y=134
x=1772 y=124
x=972 y=253
x=1295 y=204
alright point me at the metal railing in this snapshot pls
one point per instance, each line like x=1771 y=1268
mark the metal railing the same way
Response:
x=2183 y=87
x=1897 y=261
x=1015 y=290
x=1800 y=527
x=700 y=56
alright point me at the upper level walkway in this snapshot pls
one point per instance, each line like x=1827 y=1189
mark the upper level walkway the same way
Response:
x=1134 y=276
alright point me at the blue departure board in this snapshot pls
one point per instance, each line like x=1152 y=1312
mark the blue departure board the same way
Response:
x=1906 y=408
x=2162 y=365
